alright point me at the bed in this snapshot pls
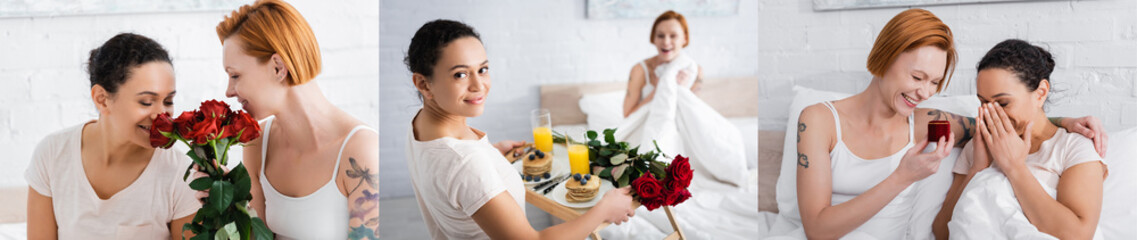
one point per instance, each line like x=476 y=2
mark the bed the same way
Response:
x=716 y=210
x=13 y=212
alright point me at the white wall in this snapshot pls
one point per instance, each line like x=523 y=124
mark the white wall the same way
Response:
x=533 y=43
x=1093 y=42
x=44 y=86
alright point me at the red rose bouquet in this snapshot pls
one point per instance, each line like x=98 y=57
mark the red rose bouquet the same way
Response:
x=654 y=183
x=209 y=131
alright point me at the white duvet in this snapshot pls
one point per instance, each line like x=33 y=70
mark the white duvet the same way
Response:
x=681 y=123
x=988 y=209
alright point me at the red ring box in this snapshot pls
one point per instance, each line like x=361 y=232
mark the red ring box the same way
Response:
x=937 y=129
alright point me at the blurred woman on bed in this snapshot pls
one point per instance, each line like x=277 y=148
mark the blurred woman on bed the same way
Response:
x=313 y=168
x=1036 y=157
x=101 y=179
x=465 y=187
x=660 y=108
x=857 y=157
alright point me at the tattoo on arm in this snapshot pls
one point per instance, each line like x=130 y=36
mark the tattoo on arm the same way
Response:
x=365 y=207
x=802 y=160
x=968 y=126
x=800 y=129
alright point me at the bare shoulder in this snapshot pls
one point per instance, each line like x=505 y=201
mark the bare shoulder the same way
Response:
x=818 y=123
x=816 y=115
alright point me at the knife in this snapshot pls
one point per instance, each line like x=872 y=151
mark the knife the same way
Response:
x=556 y=179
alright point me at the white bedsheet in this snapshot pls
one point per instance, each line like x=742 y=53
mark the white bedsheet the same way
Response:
x=715 y=210
x=13 y=231
x=988 y=209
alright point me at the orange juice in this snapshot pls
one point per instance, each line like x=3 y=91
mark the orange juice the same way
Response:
x=543 y=139
x=578 y=158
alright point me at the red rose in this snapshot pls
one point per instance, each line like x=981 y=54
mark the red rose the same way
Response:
x=646 y=186
x=184 y=123
x=215 y=109
x=162 y=123
x=242 y=123
x=679 y=173
x=677 y=196
x=205 y=130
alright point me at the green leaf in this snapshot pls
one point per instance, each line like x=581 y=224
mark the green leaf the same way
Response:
x=610 y=135
x=606 y=173
x=201 y=184
x=229 y=232
x=604 y=152
x=623 y=181
x=260 y=231
x=591 y=135
x=186 y=176
x=242 y=189
x=220 y=195
x=658 y=169
x=244 y=226
x=202 y=236
x=238 y=172
x=594 y=143
x=618 y=159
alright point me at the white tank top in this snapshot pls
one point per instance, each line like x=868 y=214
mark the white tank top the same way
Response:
x=853 y=175
x=320 y=215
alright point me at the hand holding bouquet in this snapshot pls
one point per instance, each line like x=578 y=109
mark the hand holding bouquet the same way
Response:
x=209 y=132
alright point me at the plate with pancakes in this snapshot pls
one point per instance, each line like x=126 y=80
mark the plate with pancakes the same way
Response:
x=572 y=193
x=537 y=167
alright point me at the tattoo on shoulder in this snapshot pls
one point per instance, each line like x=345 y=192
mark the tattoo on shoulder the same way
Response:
x=802 y=160
x=365 y=207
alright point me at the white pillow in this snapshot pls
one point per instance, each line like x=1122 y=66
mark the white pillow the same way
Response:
x=927 y=203
x=604 y=110
x=1119 y=191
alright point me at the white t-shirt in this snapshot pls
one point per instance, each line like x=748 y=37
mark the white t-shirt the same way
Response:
x=142 y=210
x=1054 y=156
x=453 y=178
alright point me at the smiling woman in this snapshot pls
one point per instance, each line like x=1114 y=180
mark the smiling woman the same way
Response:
x=465 y=187
x=101 y=179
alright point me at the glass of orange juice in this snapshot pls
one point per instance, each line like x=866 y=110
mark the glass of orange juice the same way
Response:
x=577 y=152
x=542 y=130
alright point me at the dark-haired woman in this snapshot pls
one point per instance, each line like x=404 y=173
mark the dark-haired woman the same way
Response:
x=465 y=187
x=1055 y=175
x=101 y=179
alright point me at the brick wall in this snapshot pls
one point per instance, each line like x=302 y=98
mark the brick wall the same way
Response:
x=533 y=43
x=1093 y=42
x=44 y=86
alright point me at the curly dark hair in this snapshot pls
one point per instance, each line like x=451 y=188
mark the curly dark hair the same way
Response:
x=1030 y=63
x=426 y=45
x=110 y=64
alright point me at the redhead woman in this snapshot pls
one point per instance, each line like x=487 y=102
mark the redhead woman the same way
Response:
x=465 y=187
x=102 y=179
x=661 y=108
x=314 y=168
x=669 y=35
x=858 y=157
x=1055 y=175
